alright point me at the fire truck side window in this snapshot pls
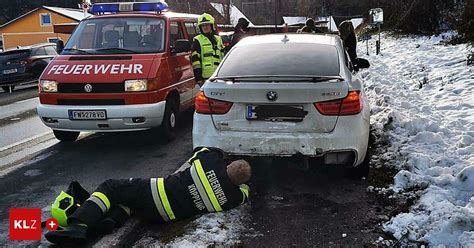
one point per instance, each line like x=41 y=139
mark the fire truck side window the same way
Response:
x=175 y=33
x=191 y=28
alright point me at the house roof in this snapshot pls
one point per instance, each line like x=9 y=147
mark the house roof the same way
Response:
x=331 y=24
x=235 y=13
x=294 y=20
x=75 y=14
x=356 y=22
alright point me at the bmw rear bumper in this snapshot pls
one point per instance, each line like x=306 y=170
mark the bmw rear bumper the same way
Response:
x=351 y=134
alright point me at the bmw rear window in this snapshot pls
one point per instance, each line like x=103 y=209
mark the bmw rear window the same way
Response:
x=290 y=59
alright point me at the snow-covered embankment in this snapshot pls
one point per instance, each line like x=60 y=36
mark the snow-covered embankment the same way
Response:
x=424 y=91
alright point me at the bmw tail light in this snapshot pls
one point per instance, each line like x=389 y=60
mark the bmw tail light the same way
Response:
x=208 y=106
x=350 y=105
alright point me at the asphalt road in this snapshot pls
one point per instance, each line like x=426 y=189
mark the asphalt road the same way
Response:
x=90 y=160
x=20 y=93
x=289 y=206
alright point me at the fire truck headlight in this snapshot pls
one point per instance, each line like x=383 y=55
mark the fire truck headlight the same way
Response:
x=136 y=85
x=49 y=86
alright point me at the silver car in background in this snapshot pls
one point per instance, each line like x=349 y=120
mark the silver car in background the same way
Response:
x=286 y=94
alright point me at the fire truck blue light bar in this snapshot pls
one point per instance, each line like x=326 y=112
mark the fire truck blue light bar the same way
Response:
x=128 y=7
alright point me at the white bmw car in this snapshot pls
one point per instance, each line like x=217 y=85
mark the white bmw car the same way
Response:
x=283 y=95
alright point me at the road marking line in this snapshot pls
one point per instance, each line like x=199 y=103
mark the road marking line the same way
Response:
x=27 y=100
x=24 y=141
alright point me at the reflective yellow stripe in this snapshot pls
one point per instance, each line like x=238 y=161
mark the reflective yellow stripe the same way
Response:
x=196 y=53
x=196 y=153
x=103 y=198
x=157 y=199
x=200 y=188
x=245 y=190
x=164 y=199
x=196 y=63
x=207 y=186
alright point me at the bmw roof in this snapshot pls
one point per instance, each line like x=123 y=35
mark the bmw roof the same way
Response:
x=323 y=39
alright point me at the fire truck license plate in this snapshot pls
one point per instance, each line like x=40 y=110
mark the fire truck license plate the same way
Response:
x=87 y=114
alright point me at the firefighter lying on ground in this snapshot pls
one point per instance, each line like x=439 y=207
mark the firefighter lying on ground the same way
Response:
x=207 y=186
x=207 y=49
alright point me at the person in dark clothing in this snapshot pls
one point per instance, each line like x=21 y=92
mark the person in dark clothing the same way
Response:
x=310 y=27
x=209 y=185
x=207 y=49
x=348 y=36
x=240 y=31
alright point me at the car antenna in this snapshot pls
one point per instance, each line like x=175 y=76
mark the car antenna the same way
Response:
x=285 y=39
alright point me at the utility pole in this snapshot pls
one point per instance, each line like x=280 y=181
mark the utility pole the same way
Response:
x=276 y=6
x=228 y=5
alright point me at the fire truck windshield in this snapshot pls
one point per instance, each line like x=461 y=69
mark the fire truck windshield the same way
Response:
x=116 y=35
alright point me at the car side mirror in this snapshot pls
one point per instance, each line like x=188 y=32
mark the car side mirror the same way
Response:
x=59 y=46
x=362 y=63
x=181 y=46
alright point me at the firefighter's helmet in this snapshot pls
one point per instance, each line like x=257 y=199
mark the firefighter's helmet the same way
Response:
x=67 y=202
x=206 y=19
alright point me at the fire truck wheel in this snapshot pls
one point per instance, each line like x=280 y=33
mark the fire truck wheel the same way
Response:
x=168 y=127
x=65 y=136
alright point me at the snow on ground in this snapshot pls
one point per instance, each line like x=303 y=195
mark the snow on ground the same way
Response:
x=214 y=229
x=422 y=98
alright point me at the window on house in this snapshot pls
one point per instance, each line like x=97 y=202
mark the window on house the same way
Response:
x=45 y=19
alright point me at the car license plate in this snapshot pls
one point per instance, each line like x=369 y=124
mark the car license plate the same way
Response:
x=87 y=114
x=10 y=71
x=275 y=112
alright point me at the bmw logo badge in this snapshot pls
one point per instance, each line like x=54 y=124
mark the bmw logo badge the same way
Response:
x=272 y=96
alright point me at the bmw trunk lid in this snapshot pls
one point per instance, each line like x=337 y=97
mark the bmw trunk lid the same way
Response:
x=275 y=106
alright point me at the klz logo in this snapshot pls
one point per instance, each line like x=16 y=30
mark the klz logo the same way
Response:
x=25 y=224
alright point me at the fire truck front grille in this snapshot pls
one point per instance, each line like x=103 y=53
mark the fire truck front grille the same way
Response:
x=83 y=102
x=91 y=88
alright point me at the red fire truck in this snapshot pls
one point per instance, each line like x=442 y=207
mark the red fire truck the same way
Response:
x=126 y=68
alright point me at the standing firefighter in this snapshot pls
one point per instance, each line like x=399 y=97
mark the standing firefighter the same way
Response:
x=309 y=27
x=240 y=31
x=207 y=49
x=348 y=36
x=209 y=185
